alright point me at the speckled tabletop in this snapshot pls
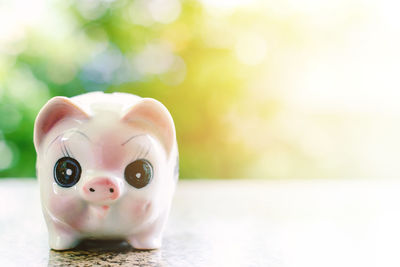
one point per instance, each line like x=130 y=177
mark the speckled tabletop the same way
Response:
x=229 y=223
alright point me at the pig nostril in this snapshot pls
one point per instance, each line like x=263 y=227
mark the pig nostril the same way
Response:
x=91 y=190
x=111 y=190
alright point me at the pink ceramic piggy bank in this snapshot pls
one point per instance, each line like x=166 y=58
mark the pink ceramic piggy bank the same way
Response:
x=107 y=165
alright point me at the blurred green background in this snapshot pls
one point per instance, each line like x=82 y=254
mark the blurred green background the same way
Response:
x=257 y=89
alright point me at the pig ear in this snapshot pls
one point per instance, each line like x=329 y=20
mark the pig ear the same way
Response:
x=150 y=114
x=53 y=111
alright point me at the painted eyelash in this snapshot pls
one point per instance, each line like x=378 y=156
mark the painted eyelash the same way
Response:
x=62 y=150
x=69 y=151
x=147 y=152
x=66 y=150
x=142 y=153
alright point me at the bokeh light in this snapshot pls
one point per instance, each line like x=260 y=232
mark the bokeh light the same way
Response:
x=154 y=59
x=251 y=48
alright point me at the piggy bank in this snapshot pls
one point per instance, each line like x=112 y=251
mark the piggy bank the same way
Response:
x=107 y=166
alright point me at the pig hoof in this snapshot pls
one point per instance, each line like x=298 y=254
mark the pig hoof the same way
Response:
x=62 y=242
x=145 y=243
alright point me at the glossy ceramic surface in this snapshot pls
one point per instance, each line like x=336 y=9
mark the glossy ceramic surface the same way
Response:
x=107 y=165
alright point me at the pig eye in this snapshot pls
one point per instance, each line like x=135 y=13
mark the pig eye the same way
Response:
x=139 y=173
x=67 y=172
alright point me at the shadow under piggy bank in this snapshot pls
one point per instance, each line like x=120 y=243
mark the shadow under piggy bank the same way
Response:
x=104 y=253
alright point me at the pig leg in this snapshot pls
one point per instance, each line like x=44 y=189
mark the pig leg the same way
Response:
x=63 y=217
x=151 y=236
x=61 y=236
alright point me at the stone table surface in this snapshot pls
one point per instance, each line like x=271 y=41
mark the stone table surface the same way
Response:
x=230 y=223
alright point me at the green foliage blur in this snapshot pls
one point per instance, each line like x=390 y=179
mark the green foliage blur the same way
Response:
x=115 y=46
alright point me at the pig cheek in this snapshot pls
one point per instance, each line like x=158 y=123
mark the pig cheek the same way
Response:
x=67 y=208
x=137 y=210
x=141 y=208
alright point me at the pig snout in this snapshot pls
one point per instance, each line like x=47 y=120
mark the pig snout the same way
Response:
x=100 y=189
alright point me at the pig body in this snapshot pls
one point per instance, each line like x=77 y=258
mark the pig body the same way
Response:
x=107 y=167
